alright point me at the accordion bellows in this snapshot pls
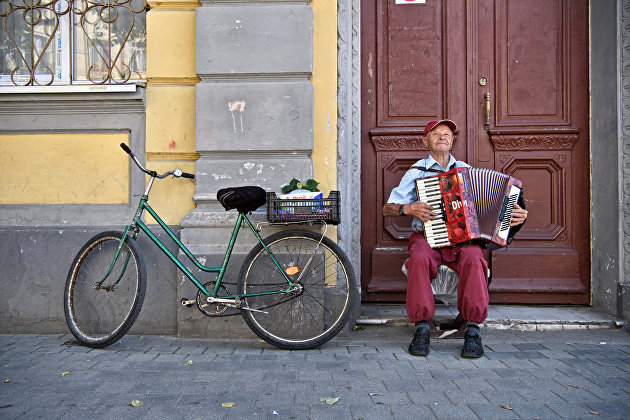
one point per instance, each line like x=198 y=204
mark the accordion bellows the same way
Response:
x=471 y=203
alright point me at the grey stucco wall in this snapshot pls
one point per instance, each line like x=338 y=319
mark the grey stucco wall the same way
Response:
x=35 y=264
x=605 y=223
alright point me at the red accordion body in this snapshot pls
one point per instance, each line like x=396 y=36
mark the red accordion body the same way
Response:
x=471 y=203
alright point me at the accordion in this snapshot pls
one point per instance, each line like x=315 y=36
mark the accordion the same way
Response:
x=471 y=204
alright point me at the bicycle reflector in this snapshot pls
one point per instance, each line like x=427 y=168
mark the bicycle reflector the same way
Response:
x=292 y=270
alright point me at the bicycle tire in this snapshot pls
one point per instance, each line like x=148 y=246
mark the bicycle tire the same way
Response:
x=305 y=320
x=99 y=316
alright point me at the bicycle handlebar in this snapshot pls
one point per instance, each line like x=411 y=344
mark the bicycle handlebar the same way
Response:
x=175 y=172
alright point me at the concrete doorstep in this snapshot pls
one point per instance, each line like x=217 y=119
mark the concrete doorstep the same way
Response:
x=501 y=317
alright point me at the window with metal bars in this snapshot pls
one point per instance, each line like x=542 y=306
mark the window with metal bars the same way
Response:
x=63 y=42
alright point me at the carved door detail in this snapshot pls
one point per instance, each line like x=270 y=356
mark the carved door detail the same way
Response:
x=513 y=75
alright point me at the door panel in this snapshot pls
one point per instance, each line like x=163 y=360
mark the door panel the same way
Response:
x=529 y=119
x=410 y=77
x=540 y=135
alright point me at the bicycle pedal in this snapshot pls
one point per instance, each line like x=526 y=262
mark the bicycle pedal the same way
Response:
x=188 y=303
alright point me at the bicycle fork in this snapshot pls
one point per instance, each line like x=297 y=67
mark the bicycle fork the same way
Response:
x=99 y=284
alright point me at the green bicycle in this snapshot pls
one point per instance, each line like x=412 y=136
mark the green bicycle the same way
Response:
x=296 y=288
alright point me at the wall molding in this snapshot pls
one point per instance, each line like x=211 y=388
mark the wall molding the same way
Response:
x=349 y=127
x=624 y=124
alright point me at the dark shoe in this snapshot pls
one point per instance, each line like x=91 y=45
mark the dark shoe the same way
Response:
x=419 y=346
x=472 y=343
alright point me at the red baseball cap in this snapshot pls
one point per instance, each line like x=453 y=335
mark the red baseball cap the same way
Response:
x=431 y=125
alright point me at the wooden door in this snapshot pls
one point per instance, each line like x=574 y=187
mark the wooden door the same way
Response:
x=513 y=75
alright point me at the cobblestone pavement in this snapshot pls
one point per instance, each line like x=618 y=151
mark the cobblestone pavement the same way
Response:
x=363 y=374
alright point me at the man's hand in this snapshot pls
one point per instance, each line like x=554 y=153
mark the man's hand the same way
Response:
x=518 y=215
x=421 y=210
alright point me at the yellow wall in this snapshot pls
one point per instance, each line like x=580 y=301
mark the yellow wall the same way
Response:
x=64 y=168
x=325 y=94
x=171 y=79
x=324 y=81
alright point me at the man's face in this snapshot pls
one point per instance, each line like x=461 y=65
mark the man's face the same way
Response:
x=440 y=139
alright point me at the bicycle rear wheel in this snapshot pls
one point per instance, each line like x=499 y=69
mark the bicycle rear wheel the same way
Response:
x=99 y=315
x=306 y=318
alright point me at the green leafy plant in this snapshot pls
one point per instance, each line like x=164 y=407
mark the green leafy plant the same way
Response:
x=311 y=185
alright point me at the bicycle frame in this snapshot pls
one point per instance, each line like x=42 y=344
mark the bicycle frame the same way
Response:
x=138 y=224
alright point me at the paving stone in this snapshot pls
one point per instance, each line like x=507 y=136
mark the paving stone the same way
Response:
x=481 y=374
x=493 y=411
x=508 y=384
x=402 y=385
x=549 y=363
x=412 y=411
x=323 y=411
x=371 y=412
x=574 y=410
x=609 y=409
x=453 y=411
x=529 y=355
x=502 y=347
x=539 y=396
x=138 y=357
x=610 y=382
x=466 y=397
x=429 y=398
x=162 y=358
x=534 y=411
x=498 y=397
x=486 y=363
x=574 y=372
x=475 y=383
x=390 y=398
x=528 y=346
x=533 y=382
x=335 y=387
x=571 y=394
x=608 y=394
x=510 y=372
x=382 y=374
x=348 y=375
x=451 y=373
x=444 y=384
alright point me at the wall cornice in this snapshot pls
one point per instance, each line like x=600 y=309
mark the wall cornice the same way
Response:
x=173 y=5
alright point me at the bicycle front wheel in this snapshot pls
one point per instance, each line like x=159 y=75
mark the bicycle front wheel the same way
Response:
x=104 y=294
x=320 y=306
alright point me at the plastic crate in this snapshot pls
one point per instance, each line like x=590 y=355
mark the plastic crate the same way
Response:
x=282 y=210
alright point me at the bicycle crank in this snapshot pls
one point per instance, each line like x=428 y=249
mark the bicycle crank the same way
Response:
x=187 y=303
x=210 y=307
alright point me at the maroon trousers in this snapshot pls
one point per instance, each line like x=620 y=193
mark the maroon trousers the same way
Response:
x=472 y=269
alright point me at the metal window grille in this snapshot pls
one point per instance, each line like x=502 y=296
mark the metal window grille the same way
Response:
x=45 y=42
